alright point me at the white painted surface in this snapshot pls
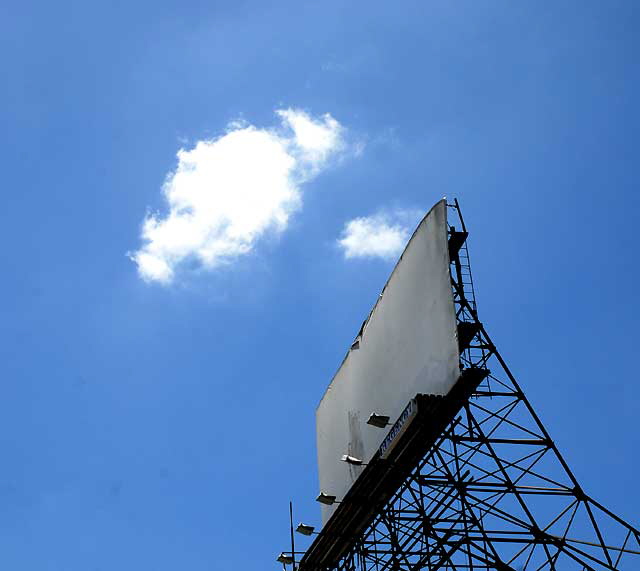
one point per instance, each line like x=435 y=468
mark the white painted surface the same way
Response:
x=408 y=346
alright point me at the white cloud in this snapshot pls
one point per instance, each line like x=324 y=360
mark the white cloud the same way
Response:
x=228 y=192
x=317 y=140
x=383 y=235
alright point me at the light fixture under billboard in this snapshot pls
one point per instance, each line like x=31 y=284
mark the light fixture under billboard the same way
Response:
x=351 y=460
x=326 y=499
x=285 y=559
x=303 y=529
x=378 y=420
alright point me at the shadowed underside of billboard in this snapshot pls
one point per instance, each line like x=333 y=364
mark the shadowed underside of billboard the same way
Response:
x=407 y=346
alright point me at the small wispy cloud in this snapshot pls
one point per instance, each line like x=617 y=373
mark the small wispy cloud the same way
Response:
x=383 y=235
x=227 y=192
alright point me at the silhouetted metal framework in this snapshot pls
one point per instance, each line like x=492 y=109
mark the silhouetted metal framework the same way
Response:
x=492 y=491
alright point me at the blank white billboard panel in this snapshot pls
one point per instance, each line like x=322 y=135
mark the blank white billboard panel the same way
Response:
x=408 y=346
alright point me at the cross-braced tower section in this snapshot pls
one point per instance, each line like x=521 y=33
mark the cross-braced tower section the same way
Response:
x=476 y=483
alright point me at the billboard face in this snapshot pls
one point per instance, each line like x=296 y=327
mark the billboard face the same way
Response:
x=407 y=346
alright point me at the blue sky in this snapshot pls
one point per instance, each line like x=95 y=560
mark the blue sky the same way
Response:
x=148 y=425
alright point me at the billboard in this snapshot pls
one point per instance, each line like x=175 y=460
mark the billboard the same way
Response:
x=408 y=345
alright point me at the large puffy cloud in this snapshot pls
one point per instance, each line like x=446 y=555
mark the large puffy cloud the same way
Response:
x=228 y=192
x=383 y=235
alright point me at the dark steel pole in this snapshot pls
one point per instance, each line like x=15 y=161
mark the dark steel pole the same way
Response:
x=293 y=545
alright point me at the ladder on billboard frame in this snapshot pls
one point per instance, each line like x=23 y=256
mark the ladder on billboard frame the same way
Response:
x=491 y=491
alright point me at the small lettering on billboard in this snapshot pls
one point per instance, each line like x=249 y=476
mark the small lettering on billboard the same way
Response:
x=408 y=414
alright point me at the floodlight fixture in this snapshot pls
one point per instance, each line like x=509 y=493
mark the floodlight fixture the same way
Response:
x=378 y=420
x=351 y=460
x=285 y=558
x=326 y=499
x=303 y=529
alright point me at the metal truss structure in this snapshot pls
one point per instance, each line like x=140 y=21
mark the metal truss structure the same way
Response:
x=492 y=491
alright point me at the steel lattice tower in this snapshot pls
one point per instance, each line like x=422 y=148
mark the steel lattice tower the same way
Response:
x=481 y=485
